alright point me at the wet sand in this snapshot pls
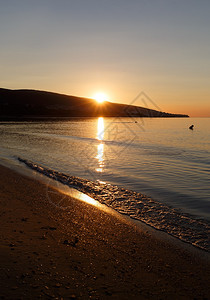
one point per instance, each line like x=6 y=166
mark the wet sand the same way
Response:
x=83 y=252
x=140 y=207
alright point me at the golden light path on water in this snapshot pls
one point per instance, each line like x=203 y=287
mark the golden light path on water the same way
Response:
x=100 y=146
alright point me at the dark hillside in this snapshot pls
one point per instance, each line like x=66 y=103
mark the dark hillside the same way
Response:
x=23 y=104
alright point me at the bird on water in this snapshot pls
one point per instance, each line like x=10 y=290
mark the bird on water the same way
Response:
x=191 y=127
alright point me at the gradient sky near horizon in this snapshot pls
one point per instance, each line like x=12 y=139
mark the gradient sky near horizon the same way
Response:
x=118 y=47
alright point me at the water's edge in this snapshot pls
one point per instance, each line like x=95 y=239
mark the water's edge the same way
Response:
x=136 y=206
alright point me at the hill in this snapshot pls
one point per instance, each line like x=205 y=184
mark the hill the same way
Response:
x=34 y=104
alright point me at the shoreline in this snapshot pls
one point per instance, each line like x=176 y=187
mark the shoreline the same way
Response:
x=137 y=206
x=24 y=170
x=86 y=253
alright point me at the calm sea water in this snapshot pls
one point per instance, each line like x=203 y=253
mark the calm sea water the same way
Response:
x=160 y=157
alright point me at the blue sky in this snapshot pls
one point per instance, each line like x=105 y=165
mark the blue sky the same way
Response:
x=118 y=47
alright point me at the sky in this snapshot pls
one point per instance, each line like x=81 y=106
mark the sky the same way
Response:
x=118 y=47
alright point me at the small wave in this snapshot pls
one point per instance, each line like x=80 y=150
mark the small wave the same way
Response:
x=137 y=206
x=86 y=139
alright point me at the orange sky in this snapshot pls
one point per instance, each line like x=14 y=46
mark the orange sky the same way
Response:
x=119 y=48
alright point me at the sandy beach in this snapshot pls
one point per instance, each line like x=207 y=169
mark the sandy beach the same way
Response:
x=85 y=253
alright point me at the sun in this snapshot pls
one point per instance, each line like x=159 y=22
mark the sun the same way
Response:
x=100 y=97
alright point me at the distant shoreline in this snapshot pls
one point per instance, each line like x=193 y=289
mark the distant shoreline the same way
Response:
x=57 y=119
x=25 y=104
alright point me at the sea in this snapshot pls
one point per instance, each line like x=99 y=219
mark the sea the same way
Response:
x=159 y=158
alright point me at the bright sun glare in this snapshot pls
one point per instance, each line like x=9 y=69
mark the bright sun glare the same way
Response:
x=100 y=97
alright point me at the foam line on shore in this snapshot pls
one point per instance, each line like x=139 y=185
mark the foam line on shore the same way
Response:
x=83 y=252
x=136 y=206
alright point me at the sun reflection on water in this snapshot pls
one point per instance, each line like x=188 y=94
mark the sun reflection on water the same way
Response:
x=100 y=132
x=100 y=146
